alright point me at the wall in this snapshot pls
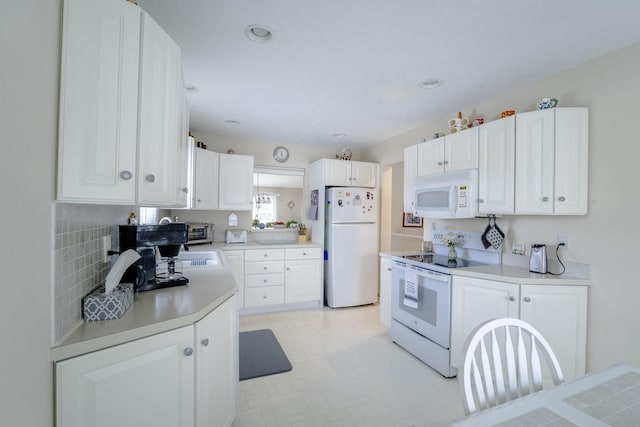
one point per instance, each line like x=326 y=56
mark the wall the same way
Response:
x=606 y=237
x=28 y=125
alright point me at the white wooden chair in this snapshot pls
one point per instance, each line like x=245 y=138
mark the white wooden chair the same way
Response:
x=498 y=368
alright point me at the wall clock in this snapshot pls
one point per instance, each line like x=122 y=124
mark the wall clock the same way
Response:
x=281 y=154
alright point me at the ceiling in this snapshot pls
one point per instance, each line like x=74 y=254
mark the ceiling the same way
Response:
x=355 y=67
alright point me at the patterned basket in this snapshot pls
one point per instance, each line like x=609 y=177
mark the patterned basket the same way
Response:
x=99 y=306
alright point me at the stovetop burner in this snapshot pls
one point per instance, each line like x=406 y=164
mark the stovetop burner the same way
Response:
x=440 y=260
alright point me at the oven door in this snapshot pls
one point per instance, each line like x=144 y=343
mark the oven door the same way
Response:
x=421 y=301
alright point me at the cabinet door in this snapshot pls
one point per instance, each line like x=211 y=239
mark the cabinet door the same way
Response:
x=337 y=172
x=410 y=173
x=98 y=101
x=158 y=127
x=431 y=157
x=461 y=150
x=217 y=366
x=148 y=382
x=205 y=194
x=475 y=301
x=385 y=291
x=235 y=261
x=303 y=281
x=185 y=150
x=572 y=161
x=496 y=166
x=364 y=174
x=236 y=182
x=560 y=314
x=534 y=162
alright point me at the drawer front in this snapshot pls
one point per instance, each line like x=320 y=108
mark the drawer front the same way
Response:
x=263 y=296
x=257 y=280
x=303 y=253
x=264 y=267
x=263 y=254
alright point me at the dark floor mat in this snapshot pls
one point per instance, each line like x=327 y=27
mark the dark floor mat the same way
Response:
x=261 y=354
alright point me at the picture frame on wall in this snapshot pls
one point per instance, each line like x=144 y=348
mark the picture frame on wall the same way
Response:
x=410 y=220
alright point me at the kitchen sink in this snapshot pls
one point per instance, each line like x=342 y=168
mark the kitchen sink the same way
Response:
x=199 y=259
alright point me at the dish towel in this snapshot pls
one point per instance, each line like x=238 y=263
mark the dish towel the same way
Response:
x=411 y=288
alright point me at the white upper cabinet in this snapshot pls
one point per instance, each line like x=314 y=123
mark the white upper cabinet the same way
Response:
x=552 y=161
x=205 y=181
x=347 y=173
x=236 y=182
x=496 y=167
x=159 y=119
x=455 y=152
x=410 y=173
x=121 y=108
x=98 y=101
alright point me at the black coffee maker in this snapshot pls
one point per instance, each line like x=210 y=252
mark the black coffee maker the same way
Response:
x=146 y=239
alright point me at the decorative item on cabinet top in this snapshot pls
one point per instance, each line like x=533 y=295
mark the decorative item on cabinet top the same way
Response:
x=345 y=154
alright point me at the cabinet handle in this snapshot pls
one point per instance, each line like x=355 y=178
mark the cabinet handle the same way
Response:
x=446 y=162
x=288 y=268
x=389 y=269
x=545 y=199
x=185 y=190
x=266 y=255
x=126 y=175
x=150 y=178
x=304 y=254
x=440 y=163
x=562 y=198
x=264 y=297
x=205 y=342
x=480 y=200
x=264 y=280
x=199 y=200
x=512 y=298
x=265 y=268
x=526 y=299
x=188 y=351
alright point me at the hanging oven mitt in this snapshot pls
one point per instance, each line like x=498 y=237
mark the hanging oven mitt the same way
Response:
x=495 y=236
x=485 y=241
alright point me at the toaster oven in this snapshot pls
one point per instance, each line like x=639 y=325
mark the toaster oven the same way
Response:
x=200 y=234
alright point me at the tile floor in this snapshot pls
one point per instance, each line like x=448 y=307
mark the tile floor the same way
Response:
x=346 y=372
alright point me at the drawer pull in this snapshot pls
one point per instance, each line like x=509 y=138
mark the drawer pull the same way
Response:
x=265 y=268
x=205 y=342
x=264 y=280
x=512 y=298
x=527 y=299
x=266 y=255
x=188 y=351
x=264 y=297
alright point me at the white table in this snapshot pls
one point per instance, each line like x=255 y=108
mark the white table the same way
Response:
x=610 y=397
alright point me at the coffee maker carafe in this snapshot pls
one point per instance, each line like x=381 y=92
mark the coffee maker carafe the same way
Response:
x=146 y=239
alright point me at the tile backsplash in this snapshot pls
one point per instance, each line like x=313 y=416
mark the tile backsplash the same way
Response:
x=78 y=265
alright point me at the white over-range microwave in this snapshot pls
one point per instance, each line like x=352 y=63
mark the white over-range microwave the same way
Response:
x=448 y=195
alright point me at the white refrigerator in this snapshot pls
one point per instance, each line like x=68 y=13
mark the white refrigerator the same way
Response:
x=351 y=246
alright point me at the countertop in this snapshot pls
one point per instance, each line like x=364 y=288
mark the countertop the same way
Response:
x=153 y=312
x=254 y=245
x=508 y=273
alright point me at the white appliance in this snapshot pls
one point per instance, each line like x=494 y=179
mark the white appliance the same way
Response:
x=448 y=195
x=421 y=297
x=351 y=246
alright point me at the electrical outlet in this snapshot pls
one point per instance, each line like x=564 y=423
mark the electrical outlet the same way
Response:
x=518 y=249
x=563 y=238
x=106 y=247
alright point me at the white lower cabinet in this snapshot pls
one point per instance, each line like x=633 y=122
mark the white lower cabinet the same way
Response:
x=216 y=370
x=303 y=275
x=235 y=262
x=385 y=290
x=282 y=276
x=161 y=380
x=559 y=312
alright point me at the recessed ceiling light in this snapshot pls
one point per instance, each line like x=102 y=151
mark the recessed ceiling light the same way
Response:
x=431 y=83
x=190 y=88
x=338 y=135
x=232 y=122
x=259 y=33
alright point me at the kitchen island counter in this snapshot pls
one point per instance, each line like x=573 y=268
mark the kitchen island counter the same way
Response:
x=153 y=312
